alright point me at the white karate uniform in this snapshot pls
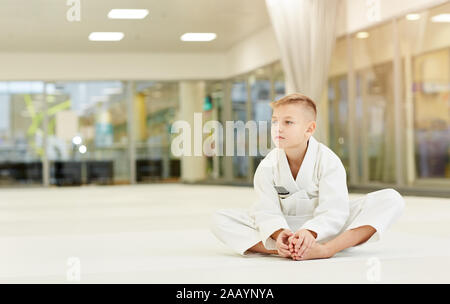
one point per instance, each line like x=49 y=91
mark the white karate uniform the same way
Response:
x=318 y=201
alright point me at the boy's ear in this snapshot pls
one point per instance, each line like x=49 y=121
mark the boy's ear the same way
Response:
x=311 y=127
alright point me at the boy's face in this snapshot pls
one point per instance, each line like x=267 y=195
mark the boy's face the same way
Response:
x=292 y=126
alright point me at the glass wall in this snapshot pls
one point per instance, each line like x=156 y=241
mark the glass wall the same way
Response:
x=338 y=106
x=213 y=109
x=278 y=81
x=398 y=106
x=21 y=132
x=425 y=52
x=87 y=133
x=261 y=94
x=249 y=96
x=375 y=103
x=239 y=112
x=431 y=114
x=155 y=110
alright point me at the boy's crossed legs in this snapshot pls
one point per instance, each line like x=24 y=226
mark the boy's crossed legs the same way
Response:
x=348 y=238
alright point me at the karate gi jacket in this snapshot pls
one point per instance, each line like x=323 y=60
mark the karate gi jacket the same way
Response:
x=318 y=199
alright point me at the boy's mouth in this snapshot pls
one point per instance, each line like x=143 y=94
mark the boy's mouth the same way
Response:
x=279 y=137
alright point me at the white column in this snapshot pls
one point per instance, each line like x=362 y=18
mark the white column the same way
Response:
x=192 y=94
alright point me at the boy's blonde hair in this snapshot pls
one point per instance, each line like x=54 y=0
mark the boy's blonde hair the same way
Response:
x=296 y=98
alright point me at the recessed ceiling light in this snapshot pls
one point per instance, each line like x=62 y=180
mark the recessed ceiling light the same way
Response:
x=127 y=13
x=106 y=36
x=362 y=35
x=413 y=17
x=441 y=18
x=198 y=36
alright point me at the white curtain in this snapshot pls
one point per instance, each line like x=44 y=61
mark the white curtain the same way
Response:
x=306 y=32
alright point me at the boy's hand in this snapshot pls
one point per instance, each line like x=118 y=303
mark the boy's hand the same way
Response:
x=300 y=242
x=282 y=243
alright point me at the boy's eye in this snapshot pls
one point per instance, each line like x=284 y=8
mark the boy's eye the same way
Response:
x=288 y=121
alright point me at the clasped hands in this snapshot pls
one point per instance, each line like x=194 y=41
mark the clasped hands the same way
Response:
x=294 y=245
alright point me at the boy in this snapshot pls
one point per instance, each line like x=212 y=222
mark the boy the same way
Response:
x=316 y=220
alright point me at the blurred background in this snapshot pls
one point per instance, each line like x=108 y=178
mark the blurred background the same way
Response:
x=78 y=111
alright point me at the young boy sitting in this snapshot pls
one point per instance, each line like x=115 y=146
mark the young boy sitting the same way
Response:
x=315 y=219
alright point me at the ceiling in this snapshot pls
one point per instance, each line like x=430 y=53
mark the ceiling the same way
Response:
x=41 y=25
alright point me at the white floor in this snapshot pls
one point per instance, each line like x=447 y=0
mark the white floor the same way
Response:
x=160 y=234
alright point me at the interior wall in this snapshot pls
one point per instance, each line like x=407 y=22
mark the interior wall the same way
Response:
x=127 y=66
x=257 y=50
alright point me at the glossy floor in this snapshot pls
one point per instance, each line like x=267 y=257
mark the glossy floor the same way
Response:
x=160 y=234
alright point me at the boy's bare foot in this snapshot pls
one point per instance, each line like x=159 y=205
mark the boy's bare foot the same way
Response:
x=316 y=251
